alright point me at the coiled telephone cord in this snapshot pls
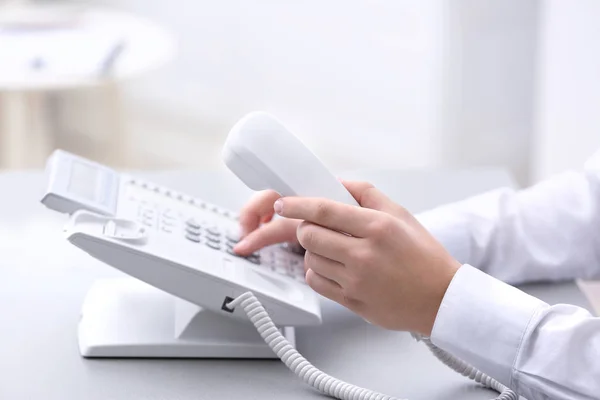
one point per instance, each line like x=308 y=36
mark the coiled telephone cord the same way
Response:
x=334 y=387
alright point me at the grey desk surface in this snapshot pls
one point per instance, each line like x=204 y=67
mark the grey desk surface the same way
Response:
x=43 y=281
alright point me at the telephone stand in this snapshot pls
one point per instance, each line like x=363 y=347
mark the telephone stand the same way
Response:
x=127 y=318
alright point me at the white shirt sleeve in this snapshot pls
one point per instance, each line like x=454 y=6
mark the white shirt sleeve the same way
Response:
x=550 y=231
x=541 y=352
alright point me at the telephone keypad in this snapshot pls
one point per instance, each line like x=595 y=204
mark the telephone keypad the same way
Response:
x=275 y=259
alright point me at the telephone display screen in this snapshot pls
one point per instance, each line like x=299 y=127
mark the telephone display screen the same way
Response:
x=83 y=181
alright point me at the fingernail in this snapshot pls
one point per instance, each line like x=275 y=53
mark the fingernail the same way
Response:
x=278 y=206
x=240 y=246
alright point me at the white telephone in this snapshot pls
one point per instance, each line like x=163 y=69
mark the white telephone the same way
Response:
x=183 y=246
x=179 y=244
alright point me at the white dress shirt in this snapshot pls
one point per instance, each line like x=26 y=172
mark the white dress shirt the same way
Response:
x=549 y=232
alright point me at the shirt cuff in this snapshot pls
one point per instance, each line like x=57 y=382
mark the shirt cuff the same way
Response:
x=482 y=321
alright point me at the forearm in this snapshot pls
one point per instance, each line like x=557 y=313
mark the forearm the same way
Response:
x=540 y=351
x=546 y=232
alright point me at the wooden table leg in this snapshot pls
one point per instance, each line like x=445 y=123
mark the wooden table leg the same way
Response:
x=43 y=128
x=13 y=146
x=25 y=136
x=118 y=141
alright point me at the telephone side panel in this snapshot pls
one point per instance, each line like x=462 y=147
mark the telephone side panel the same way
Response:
x=197 y=274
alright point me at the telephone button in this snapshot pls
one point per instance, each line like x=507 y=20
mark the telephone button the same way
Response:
x=193 y=238
x=167 y=222
x=214 y=231
x=168 y=213
x=147 y=222
x=213 y=245
x=254 y=259
x=192 y=231
x=232 y=238
x=280 y=269
x=192 y=224
x=216 y=241
x=295 y=263
x=148 y=214
x=213 y=238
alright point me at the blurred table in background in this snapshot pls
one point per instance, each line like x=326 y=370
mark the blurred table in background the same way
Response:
x=48 y=52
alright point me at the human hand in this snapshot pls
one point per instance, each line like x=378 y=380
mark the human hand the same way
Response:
x=387 y=267
x=258 y=229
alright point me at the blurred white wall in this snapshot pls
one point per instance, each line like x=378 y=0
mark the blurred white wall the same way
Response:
x=568 y=95
x=367 y=83
x=341 y=73
x=491 y=55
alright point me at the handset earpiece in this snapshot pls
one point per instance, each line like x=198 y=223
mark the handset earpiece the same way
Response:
x=264 y=154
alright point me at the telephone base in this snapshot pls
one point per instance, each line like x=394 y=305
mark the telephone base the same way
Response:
x=126 y=318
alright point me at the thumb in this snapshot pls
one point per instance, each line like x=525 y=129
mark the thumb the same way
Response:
x=368 y=196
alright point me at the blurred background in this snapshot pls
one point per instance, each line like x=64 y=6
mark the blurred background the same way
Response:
x=365 y=83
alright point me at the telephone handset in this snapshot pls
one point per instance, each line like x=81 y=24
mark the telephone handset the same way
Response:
x=183 y=245
x=265 y=155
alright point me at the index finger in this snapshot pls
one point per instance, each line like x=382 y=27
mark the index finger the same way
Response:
x=337 y=216
x=258 y=209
